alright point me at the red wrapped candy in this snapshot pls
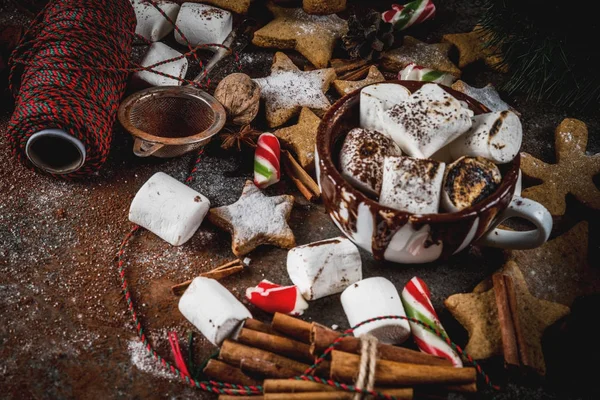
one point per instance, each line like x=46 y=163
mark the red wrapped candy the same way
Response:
x=272 y=298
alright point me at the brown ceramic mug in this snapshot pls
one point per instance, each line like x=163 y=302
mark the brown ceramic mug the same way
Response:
x=399 y=236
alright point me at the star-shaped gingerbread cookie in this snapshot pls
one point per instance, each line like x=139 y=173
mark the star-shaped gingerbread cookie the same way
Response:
x=434 y=56
x=256 y=219
x=573 y=172
x=288 y=89
x=237 y=6
x=345 y=87
x=472 y=47
x=478 y=313
x=487 y=95
x=302 y=137
x=313 y=36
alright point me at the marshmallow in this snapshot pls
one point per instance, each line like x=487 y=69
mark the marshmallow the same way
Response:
x=427 y=121
x=160 y=52
x=324 y=268
x=496 y=136
x=168 y=208
x=414 y=72
x=468 y=181
x=412 y=185
x=151 y=24
x=377 y=98
x=361 y=158
x=211 y=308
x=203 y=24
x=376 y=297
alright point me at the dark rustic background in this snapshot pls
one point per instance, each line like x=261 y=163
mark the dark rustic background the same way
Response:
x=65 y=332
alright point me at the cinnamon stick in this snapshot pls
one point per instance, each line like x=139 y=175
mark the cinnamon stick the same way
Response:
x=281 y=386
x=234 y=397
x=303 y=181
x=266 y=368
x=345 y=366
x=259 y=326
x=276 y=344
x=505 y=319
x=220 y=371
x=342 y=66
x=321 y=337
x=220 y=272
x=233 y=353
x=400 y=394
x=355 y=75
x=292 y=327
x=525 y=356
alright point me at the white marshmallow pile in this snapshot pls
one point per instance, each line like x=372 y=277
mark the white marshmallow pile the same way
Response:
x=431 y=128
x=203 y=24
x=158 y=52
x=151 y=24
x=211 y=308
x=168 y=208
x=371 y=298
x=376 y=99
x=361 y=155
x=325 y=267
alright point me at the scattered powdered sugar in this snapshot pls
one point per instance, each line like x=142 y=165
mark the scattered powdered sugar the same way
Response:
x=285 y=89
x=300 y=23
x=143 y=360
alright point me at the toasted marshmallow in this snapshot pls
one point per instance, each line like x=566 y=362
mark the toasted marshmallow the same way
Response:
x=496 y=136
x=377 y=98
x=211 y=308
x=468 y=181
x=361 y=158
x=325 y=267
x=427 y=121
x=203 y=24
x=371 y=298
x=411 y=184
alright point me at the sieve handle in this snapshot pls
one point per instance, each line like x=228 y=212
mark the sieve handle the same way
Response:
x=141 y=149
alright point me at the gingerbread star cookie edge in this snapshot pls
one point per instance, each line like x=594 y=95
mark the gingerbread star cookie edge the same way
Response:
x=434 y=56
x=243 y=219
x=478 y=313
x=288 y=89
x=302 y=137
x=313 y=36
x=472 y=47
x=345 y=87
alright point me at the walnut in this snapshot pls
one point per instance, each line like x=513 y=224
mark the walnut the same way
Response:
x=240 y=96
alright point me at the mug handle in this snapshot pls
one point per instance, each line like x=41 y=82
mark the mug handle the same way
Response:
x=527 y=209
x=140 y=149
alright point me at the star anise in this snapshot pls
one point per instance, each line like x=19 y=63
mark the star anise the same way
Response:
x=246 y=135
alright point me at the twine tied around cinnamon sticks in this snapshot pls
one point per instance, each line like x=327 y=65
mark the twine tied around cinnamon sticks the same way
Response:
x=368 y=360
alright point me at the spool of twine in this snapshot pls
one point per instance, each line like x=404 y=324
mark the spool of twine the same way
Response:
x=68 y=75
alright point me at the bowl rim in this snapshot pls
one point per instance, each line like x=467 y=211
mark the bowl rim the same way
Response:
x=328 y=169
x=169 y=91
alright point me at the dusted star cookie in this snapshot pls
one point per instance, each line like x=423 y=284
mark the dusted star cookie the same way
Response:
x=434 y=56
x=487 y=95
x=573 y=172
x=479 y=313
x=345 y=87
x=302 y=137
x=288 y=89
x=472 y=47
x=313 y=36
x=256 y=219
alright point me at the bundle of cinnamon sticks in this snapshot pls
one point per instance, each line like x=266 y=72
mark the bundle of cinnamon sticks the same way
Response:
x=271 y=354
